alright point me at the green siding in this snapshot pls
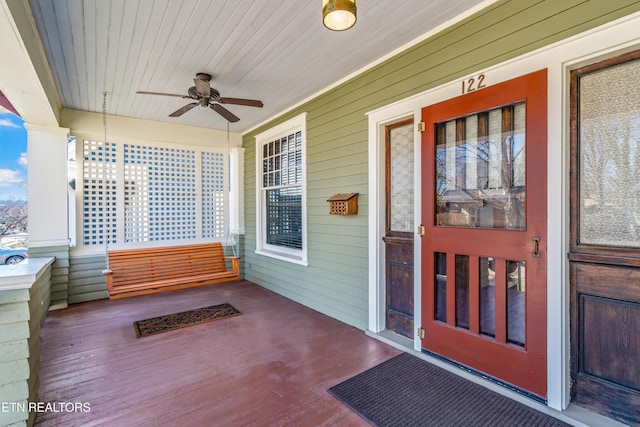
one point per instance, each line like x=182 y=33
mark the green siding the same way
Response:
x=39 y=302
x=22 y=312
x=59 y=272
x=335 y=282
x=86 y=281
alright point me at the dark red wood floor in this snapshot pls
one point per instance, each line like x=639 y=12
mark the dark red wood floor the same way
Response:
x=270 y=366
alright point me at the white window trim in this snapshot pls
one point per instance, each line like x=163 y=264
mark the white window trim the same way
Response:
x=295 y=124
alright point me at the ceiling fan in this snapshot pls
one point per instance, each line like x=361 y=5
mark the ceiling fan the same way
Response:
x=205 y=96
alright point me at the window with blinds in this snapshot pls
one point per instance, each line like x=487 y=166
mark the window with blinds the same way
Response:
x=281 y=200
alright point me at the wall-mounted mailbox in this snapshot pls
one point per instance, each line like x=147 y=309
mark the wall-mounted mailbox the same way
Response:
x=343 y=204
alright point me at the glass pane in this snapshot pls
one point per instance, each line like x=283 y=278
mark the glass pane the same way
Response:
x=487 y=297
x=495 y=151
x=284 y=217
x=609 y=157
x=471 y=166
x=518 y=148
x=480 y=169
x=516 y=302
x=283 y=162
x=401 y=178
x=441 y=286
x=462 y=291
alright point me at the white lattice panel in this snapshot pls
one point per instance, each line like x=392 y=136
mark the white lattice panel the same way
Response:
x=213 y=191
x=99 y=192
x=164 y=179
x=136 y=203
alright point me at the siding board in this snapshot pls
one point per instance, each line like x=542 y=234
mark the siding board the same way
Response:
x=88 y=296
x=317 y=286
x=86 y=282
x=320 y=154
x=77 y=291
x=59 y=271
x=22 y=312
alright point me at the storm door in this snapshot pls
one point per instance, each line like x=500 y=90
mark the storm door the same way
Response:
x=484 y=216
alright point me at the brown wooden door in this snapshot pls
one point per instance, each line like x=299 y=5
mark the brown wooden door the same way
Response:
x=399 y=227
x=605 y=237
x=484 y=212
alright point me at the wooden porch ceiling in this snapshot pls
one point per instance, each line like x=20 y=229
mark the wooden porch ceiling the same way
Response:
x=269 y=366
x=277 y=52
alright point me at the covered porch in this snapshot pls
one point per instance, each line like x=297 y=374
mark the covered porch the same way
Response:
x=317 y=288
x=269 y=366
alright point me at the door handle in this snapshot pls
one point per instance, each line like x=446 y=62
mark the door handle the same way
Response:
x=536 y=242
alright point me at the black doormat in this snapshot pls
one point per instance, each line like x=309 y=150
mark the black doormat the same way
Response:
x=407 y=391
x=156 y=325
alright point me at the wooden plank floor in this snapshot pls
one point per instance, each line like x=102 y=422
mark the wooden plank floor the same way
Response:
x=270 y=366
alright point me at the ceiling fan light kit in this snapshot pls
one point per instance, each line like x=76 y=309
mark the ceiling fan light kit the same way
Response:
x=339 y=15
x=206 y=96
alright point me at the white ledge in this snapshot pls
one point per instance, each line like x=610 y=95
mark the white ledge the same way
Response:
x=23 y=274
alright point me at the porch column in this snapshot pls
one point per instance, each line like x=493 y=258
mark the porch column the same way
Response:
x=47 y=197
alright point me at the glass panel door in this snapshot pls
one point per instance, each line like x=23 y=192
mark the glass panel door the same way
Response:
x=605 y=236
x=484 y=213
x=398 y=238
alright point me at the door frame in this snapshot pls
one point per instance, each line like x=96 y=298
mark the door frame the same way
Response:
x=559 y=58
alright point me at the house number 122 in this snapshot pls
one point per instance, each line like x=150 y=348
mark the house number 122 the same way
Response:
x=473 y=83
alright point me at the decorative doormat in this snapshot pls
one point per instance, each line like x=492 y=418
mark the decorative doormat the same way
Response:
x=156 y=325
x=407 y=391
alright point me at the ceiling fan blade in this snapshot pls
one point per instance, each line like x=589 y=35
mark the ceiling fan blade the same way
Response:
x=202 y=86
x=224 y=112
x=183 y=110
x=241 y=101
x=163 y=94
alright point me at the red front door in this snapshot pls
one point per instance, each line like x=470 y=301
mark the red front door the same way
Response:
x=484 y=211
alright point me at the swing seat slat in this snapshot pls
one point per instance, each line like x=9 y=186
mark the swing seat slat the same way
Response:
x=134 y=272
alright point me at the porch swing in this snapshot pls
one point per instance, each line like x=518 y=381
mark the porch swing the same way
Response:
x=142 y=271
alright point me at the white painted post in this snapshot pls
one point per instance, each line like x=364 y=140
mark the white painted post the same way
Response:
x=47 y=187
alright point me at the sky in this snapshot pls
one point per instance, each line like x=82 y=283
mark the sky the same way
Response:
x=13 y=158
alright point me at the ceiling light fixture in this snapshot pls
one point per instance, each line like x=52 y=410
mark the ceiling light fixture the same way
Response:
x=338 y=15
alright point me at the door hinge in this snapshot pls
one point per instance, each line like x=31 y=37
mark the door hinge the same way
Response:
x=420 y=126
x=421 y=230
x=421 y=333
